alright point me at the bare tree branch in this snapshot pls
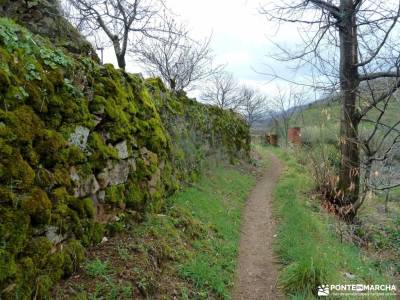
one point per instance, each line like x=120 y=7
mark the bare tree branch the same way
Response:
x=122 y=21
x=179 y=60
x=253 y=105
x=223 y=91
x=361 y=34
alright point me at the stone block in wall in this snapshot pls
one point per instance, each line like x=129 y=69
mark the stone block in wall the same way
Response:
x=84 y=186
x=116 y=172
x=79 y=137
x=122 y=149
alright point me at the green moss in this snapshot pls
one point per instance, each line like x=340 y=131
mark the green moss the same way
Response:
x=5 y=149
x=156 y=200
x=25 y=278
x=14 y=96
x=101 y=151
x=115 y=227
x=97 y=106
x=38 y=249
x=135 y=198
x=35 y=98
x=156 y=85
x=157 y=139
x=14 y=230
x=88 y=207
x=115 y=195
x=61 y=176
x=25 y=123
x=4 y=81
x=43 y=287
x=7 y=196
x=56 y=77
x=97 y=232
x=17 y=171
x=84 y=207
x=71 y=156
x=60 y=195
x=8 y=267
x=76 y=253
x=92 y=234
x=45 y=93
x=38 y=206
x=55 y=265
x=48 y=146
x=43 y=178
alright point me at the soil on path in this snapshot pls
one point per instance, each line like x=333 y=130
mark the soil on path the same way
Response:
x=256 y=273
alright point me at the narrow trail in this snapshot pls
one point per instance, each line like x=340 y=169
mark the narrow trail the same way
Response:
x=256 y=273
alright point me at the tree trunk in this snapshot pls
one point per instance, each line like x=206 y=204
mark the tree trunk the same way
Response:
x=121 y=62
x=349 y=176
x=119 y=54
x=172 y=84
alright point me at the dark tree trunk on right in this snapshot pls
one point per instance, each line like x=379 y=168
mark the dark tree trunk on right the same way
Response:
x=349 y=176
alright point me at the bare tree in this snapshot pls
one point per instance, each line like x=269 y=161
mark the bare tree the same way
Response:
x=178 y=59
x=68 y=10
x=383 y=176
x=223 y=91
x=120 y=21
x=253 y=105
x=381 y=148
x=359 y=33
x=283 y=107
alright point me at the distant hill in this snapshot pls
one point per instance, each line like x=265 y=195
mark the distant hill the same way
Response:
x=266 y=123
x=326 y=111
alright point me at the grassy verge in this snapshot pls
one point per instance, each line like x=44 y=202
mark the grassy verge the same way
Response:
x=187 y=252
x=310 y=252
x=379 y=230
x=216 y=200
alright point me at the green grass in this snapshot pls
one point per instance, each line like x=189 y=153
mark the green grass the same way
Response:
x=380 y=226
x=96 y=268
x=216 y=199
x=188 y=251
x=329 y=116
x=315 y=114
x=310 y=252
x=395 y=194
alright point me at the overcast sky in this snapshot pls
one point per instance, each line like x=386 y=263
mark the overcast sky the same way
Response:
x=240 y=37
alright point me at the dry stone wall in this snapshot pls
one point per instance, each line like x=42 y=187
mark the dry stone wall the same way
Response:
x=81 y=143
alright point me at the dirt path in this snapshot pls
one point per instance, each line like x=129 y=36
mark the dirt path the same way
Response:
x=256 y=272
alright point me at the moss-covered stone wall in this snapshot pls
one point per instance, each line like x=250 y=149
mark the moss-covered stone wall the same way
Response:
x=44 y=17
x=81 y=143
